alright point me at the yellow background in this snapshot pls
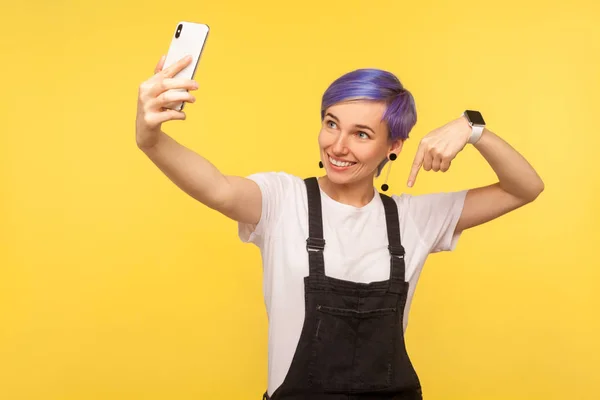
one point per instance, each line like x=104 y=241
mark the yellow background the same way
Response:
x=116 y=285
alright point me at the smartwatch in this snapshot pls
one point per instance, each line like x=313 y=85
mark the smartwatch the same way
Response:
x=477 y=124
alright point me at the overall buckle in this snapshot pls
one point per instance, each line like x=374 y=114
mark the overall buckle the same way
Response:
x=314 y=244
x=396 y=251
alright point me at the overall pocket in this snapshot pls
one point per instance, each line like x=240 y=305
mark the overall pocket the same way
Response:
x=353 y=350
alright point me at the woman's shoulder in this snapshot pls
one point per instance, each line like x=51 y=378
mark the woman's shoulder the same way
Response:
x=274 y=176
x=278 y=184
x=426 y=205
x=433 y=215
x=280 y=178
x=408 y=200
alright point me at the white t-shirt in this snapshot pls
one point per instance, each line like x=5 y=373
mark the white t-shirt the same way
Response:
x=356 y=250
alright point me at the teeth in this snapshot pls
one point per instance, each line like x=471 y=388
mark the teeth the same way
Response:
x=340 y=163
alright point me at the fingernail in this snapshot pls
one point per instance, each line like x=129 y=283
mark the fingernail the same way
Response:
x=195 y=85
x=410 y=183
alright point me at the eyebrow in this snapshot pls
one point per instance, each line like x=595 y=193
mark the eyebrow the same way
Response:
x=357 y=126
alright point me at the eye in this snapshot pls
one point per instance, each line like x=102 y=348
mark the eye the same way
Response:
x=331 y=124
x=366 y=136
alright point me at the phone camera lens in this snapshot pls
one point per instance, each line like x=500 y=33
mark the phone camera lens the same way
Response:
x=179 y=28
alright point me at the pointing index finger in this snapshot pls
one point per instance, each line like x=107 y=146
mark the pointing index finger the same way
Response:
x=416 y=166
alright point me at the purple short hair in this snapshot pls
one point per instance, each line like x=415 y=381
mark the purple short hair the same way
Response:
x=377 y=85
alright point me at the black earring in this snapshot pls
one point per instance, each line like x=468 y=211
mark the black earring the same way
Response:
x=320 y=164
x=385 y=187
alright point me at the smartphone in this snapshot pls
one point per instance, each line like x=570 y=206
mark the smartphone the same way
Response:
x=188 y=39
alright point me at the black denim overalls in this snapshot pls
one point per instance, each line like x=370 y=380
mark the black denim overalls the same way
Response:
x=352 y=342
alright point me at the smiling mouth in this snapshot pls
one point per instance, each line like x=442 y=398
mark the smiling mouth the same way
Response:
x=339 y=163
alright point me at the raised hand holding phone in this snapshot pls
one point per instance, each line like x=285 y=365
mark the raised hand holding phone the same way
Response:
x=156 y=95
x=162 y=97
x=188 y=39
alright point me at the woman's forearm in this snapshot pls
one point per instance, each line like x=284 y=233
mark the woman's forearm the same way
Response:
x=516 y=176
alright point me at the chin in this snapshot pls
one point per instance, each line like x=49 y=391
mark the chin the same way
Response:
x=343 y=179
x=338 y=180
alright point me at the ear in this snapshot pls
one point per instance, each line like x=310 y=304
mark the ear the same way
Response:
x=396 y=146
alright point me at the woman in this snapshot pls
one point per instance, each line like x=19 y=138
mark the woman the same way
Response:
x=340 y=260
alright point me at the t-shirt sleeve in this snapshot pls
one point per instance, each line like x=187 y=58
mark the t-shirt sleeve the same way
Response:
x=435 y=217
x=273 y=187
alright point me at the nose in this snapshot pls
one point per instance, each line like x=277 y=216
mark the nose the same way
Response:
x=340 y=147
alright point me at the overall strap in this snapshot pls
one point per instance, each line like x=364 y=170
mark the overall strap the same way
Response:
x=395 y=246
x=315 y=244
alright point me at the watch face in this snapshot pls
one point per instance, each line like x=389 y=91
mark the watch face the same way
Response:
x=475 y=117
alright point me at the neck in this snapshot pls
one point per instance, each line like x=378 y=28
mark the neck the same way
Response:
x=357 y=194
